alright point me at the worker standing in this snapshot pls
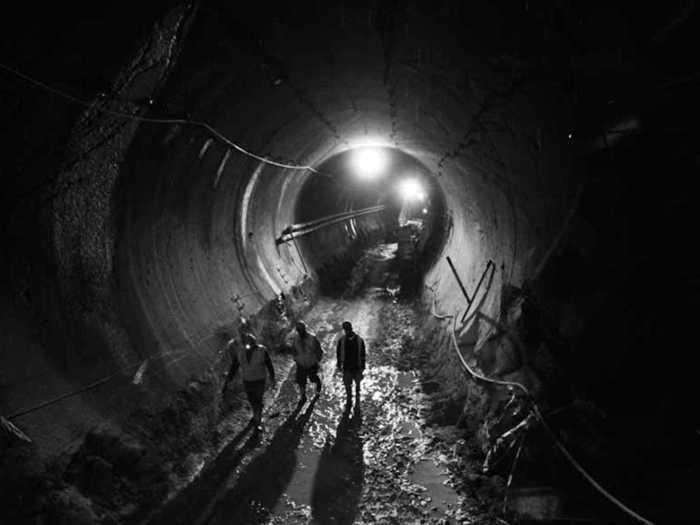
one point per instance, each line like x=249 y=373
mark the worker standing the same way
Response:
x=307 y=352
x=351 y=356
x=254 y=361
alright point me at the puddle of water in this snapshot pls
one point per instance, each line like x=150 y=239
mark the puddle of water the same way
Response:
x=319 y=433
x=438 y=497
x=300 y=487
x=433 y=478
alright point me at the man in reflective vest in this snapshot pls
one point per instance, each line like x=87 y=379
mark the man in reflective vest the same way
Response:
x=307 y=352
x=351 y=356
x=253 y=361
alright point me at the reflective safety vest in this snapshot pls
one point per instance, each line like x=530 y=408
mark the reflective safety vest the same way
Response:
x=252 y=369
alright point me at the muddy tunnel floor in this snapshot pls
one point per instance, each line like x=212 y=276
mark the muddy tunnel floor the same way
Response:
x=322 y=461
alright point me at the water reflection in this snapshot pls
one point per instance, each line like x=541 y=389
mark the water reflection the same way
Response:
x=339 y=478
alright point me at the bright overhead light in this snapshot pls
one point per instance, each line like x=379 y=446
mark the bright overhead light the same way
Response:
x=368 y=162
x=425 y=210
x=411 y=190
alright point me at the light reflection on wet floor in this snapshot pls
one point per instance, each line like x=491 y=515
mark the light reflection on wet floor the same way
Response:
x=352 y=466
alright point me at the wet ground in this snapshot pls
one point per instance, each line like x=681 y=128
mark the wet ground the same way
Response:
x=322 y=461
x=393 y=456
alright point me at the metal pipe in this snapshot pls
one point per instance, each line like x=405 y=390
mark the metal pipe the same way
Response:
x=478 y=286
x=454 y=271
x=302 y=225
x=297 y=230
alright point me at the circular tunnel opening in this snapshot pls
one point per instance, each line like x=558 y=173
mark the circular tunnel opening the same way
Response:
x=366 y=199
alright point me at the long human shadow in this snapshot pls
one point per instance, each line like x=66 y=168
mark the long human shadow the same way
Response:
x=188 y=505
x=265 y=478
x=339 y=478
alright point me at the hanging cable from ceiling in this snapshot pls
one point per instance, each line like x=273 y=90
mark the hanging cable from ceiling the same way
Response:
x=159 y=120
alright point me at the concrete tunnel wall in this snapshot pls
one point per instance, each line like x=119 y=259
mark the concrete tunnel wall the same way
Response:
x=161 y=224
x=338 y=186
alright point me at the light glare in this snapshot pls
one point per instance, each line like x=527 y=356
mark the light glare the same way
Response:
x=411 y=190
x=368 y=162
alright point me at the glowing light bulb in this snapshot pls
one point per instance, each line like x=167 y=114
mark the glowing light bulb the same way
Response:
x=368 y=162
x=411 y=190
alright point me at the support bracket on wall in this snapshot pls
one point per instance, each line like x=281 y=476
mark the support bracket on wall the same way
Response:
x=298 y=230
x=470 y=300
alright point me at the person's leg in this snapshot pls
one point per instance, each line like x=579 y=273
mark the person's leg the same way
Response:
x=254 y=391
x=257 y=408
x=301 y=375
x=358 y=379
x=347 y=381
x=313 y=375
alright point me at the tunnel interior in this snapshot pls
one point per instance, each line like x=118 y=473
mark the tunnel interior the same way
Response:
x=196 y=222
x=391 y=190
x=200 y=168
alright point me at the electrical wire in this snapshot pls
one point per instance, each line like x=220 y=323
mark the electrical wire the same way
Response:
x=550 y=431
x=513 y=468
x=178 y=356
x=159 y=120
x=301 y=257
x=538 y=414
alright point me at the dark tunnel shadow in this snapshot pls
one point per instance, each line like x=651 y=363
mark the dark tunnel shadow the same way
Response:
x=335 y=272
x=338 y=482
x=185 y=508
x=264 y=479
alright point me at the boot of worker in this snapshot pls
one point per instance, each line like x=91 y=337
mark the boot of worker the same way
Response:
x=257 y=418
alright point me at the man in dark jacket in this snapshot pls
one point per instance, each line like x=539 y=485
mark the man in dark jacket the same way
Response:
x=351 y=356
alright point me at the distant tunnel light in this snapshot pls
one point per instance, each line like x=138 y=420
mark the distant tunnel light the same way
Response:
x=411 y=190
x=368 y=162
